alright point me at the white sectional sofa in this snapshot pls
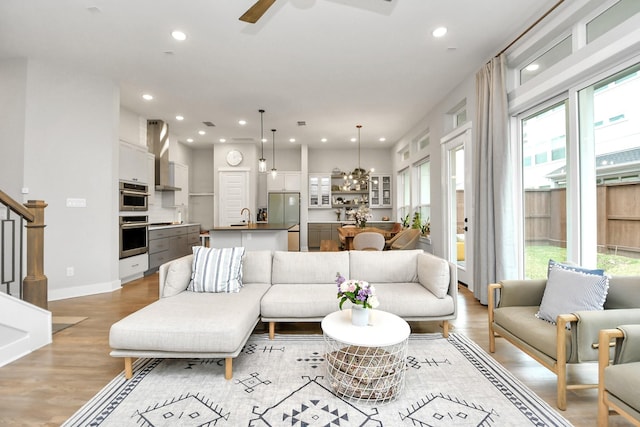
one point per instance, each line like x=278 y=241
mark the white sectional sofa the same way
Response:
x=278 y=287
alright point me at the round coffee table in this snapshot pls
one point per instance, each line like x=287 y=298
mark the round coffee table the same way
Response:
x=366 y=363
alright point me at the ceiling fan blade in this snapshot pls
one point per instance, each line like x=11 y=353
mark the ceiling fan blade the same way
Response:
x=256 y=11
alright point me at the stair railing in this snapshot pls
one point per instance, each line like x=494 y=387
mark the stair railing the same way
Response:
x=33 y=287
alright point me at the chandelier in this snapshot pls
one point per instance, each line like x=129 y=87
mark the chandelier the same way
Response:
x=359 y=177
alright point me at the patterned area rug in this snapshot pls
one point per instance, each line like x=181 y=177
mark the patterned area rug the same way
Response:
x=284 y=382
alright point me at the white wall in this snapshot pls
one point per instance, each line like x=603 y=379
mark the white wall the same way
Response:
x=70 y=151
x=13 y=87
x=439 y=123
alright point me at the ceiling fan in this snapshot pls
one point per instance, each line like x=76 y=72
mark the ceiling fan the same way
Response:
x=256 y=11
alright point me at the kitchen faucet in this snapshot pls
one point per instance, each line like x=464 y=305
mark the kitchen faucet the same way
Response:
x=248 y=210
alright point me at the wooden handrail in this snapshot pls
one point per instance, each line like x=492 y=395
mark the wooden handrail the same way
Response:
x=16 y=207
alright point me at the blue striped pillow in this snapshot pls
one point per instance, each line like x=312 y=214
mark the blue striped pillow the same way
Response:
x=569 y=290
x=216 y=270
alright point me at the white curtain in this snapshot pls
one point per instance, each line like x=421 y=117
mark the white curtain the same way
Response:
x=494 y=182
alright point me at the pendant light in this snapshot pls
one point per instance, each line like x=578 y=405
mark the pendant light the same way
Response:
x=262 y=162
x=359 y=176
x=274 y=171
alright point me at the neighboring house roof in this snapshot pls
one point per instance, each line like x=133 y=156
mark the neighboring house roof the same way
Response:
x=608 y=165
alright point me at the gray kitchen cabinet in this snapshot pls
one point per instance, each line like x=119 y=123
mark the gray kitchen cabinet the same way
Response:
x=317 y=232
x=169 y=243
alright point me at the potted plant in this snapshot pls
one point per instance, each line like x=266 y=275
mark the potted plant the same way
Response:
x=361 y=295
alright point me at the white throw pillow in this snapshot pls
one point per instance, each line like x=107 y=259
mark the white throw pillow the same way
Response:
x=178 y=277
x=216 y=270
x=569 y=290
x=433 y=274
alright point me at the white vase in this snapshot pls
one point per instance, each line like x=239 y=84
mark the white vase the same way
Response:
x=359 y=315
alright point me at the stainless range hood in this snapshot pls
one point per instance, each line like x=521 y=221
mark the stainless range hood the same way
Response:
x=158 y=144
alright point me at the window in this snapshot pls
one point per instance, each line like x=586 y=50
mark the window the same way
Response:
x=611 y=17
x=423 y=180
x=403 y=194
x=544 y=191
x=552 y=56
x=610 y=170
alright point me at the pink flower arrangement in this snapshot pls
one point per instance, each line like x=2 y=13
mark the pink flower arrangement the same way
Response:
x=358 y=292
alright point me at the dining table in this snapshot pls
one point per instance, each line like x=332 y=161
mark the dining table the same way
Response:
x=348 y=233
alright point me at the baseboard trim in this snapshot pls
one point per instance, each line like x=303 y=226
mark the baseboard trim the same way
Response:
x=82 y=291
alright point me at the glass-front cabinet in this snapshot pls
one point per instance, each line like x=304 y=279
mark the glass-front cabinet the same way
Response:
x=380 y=191
x=319 y=191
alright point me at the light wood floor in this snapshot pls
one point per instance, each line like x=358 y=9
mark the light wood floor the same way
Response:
x=49 y=385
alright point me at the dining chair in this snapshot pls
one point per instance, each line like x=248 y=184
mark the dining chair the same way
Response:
x=368 y=241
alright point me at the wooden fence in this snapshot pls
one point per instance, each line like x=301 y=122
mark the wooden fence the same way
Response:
x=618 y=218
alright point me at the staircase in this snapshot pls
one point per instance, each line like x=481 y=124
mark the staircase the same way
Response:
x=25 y=322
x=24 y=328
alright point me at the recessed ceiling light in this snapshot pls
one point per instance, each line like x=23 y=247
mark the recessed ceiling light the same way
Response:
x=147 y=97
x=532 y=67
x=383 y=139
x=439 y=32
x=324 y=140
x=178 y=35
x=222 y=140
x=201 y=132
x=353 y=140
x=179 y=118
x=242 y=122
x=292 y=140
x=189 y=139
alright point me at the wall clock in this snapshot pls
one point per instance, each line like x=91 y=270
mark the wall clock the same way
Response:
x=234 y=157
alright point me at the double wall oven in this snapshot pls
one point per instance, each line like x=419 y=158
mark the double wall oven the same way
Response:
x=133 y=224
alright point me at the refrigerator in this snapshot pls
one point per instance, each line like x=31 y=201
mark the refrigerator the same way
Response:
x=284 y=208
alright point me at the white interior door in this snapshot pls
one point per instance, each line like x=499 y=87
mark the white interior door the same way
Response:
x=234 y=195
x=457 y=179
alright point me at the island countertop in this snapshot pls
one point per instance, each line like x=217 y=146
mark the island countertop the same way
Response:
x=261 y=226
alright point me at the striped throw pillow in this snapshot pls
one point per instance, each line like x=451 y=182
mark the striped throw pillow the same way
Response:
x=569 y=290
x=216 y=270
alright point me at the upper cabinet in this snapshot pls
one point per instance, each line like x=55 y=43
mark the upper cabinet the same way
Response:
x=284 y=181
x=178 y=177
x=133 y=163
x=319 y=191
x=380 y=191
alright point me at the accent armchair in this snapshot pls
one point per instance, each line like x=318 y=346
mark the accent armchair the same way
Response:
x=407 y=240
x=513 y=318
x=618 y=383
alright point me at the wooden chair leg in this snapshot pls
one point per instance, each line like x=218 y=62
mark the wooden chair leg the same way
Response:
x=272 y=330
x=561 y=362
x=228 y=368
x=445 y=328
x=128 y=367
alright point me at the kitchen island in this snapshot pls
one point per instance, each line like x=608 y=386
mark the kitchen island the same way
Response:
x=256 y=236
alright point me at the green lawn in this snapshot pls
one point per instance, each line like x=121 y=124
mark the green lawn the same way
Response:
x=537 y=259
